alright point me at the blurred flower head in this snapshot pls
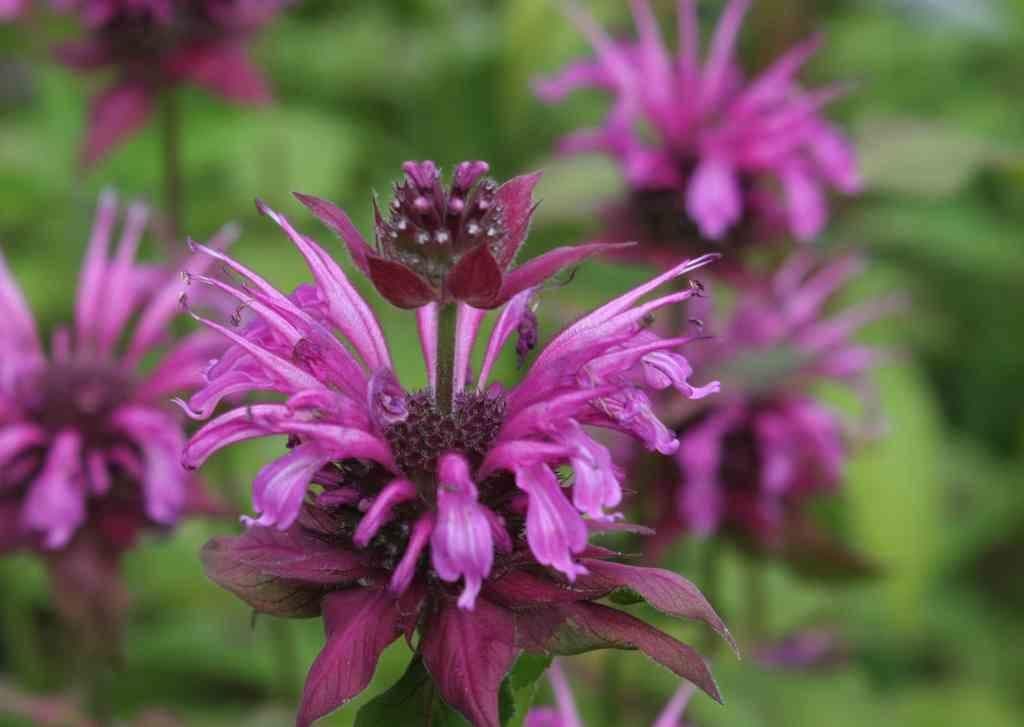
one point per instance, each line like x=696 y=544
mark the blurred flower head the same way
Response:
x=86 y=437
x=749 y=461
x=698 y=139
x=565 y=714
x=12 y=9
x=153 y=46
x=414 y=491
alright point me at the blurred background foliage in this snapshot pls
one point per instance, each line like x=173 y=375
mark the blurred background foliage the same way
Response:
x=361 y=86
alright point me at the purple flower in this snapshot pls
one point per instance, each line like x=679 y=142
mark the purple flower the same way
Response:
x=749 y=460
x=812 y=649
x=12 y=9
x=440 y=245
x=565 y=714
x=87 y=438
x=154 y=46
x=723 y=147
x=388 y=498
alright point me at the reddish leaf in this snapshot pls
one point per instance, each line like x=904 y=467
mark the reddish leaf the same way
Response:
x=581 y=627
x=266 y=593
x=114 y=115
x=399 y=285
x=84 y=55
x=516 y=199
x=667 y=591
x=468 y=654
x=476 y=278
x=519 y=588
x=225 y=69
x=360 y=624
x=294 y=554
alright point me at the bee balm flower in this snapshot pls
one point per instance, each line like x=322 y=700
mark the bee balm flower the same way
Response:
x=387 y=499
x=87 y=439
x=719 y=147
x=154 y=46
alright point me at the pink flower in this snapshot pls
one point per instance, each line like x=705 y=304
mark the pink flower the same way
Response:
x=748 y=461
x=12 y=9
x=416 y=491
x=86 y=438
x=722 y=145
x=156 y=45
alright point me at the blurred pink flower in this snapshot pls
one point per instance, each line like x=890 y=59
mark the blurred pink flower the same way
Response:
x=153 y=46
x=747 y=460
x=12 y=9
x=699 y=139
x=87 y=438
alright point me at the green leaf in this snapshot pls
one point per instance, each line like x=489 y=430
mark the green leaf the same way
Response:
x=410 y=701
x=625 y=597
x=520 y=686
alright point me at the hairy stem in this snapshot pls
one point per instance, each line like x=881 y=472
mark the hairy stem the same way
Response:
x=445 y=356
x=173 y=180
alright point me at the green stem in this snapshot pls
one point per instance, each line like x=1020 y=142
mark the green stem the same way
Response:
x=286 y=660
x=611 y=681
x=172 y=182
x=757 y=600
x=445 y=356
x=710 y=582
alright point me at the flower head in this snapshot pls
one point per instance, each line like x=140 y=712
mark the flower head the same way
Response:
x=748 y=461
x=417 y=491
x=86 y=438
x=156 y=45
x=565 y=714
x=12 y=9
x=442 y=244
x=722 y=146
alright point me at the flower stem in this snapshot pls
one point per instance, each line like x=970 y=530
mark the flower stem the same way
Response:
x=446 y=318
x=286 y=660
x=710 y=585
x=172 y=182
x=757 y=600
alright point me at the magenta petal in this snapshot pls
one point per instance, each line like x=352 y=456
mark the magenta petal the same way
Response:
x=516 y=199
x=714 y=199
x=280 y=487
x=554 y=529
x=541 y=268
x=399 y=285
x=468 y=654
x=56 y=499
x=379 y=513
x=339 y=223
x=667 y=591
x=360 y=624
x=461 y=544
x=476 y=278
x=114 y=115
x=805 y=202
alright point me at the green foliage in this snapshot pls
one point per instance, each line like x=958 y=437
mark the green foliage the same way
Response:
x=936 y=501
